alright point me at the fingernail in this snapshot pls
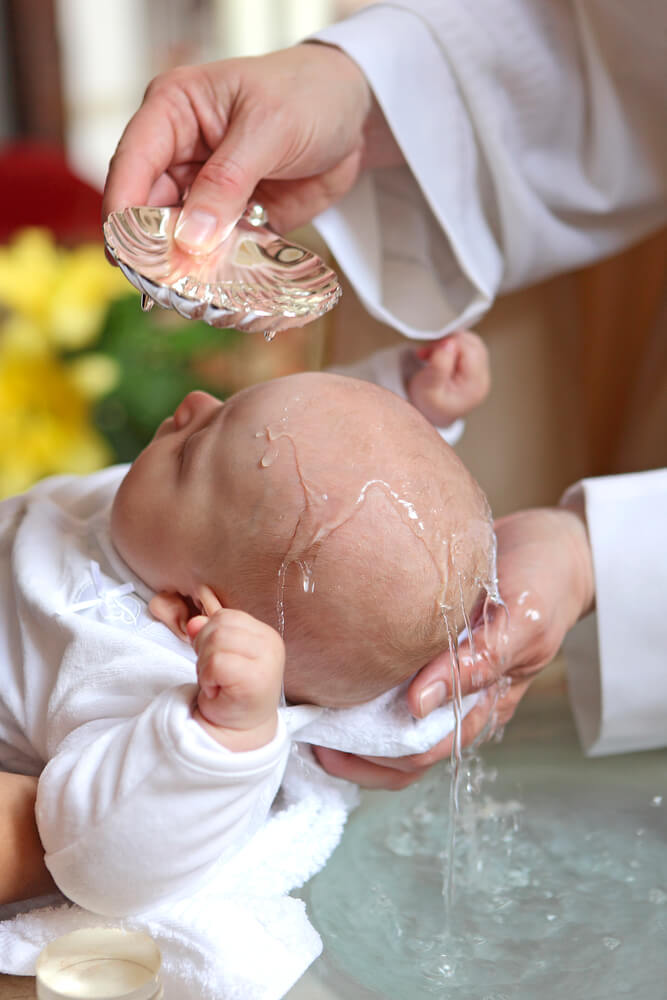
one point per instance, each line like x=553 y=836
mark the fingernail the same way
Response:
x=196 y=230
x=432 y=697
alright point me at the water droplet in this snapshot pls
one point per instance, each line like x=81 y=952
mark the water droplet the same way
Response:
x=269 y=456
x=269 y=335
x=147 y=302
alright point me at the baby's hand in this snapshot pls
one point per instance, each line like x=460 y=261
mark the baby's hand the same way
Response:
x=454 y=380
x=240 y=663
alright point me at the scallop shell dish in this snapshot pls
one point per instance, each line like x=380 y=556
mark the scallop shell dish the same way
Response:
x=254 y=281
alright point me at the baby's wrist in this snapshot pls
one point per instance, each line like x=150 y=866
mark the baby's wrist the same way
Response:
x=239 y=739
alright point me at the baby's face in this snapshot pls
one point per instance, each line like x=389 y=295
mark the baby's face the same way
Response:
x=187 y=493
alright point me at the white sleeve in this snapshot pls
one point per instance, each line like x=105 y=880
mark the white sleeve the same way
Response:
x=391 y=368
x=133 y=812
x=617 y=657
x=534 y=139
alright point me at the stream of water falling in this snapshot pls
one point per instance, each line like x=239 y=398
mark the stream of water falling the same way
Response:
x=560 y=871
x=322 y=514
x=554 y=884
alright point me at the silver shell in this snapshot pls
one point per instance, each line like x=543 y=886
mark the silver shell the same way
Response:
x=254 y=281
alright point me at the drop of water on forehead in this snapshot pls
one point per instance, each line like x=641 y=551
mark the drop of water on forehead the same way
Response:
x=269 y=456
x=147 y=302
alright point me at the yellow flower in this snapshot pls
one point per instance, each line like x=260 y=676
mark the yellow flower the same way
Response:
x=86 y=285
x=20 y=335
x=51 y=300
x=44 y=423
x=29 y=267
x=94 y=374
x=65 y=293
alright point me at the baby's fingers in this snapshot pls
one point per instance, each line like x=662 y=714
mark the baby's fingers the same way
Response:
x=222 y=670
x=227 y=632
x=444 y=358
x=194 y=627
x=209 y=601
x=210 y=606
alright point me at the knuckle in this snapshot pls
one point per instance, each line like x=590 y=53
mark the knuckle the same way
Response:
x=224 y=173
x=482 y=665
x=160 y=83
x=175 y=78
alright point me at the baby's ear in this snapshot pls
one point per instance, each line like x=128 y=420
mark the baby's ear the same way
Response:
x=174 y=611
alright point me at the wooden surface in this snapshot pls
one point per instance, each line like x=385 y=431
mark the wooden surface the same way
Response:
x=17 y=987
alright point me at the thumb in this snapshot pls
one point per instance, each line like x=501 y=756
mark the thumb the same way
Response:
x=481 y=662
x=224 y=185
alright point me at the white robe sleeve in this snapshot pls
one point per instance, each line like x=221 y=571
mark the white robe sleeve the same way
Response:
x=534 y=139
x=617 y=657
x=135 y=811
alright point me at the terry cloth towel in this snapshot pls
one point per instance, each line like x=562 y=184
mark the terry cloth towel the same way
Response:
x=242 y=937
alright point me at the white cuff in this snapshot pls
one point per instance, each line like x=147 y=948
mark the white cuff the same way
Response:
x=387 y=232
x=618 y=673
x=198 y=751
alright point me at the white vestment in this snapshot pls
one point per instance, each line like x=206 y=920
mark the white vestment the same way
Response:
x=535 y=141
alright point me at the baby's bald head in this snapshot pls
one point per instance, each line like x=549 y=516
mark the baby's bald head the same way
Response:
x=357 y=528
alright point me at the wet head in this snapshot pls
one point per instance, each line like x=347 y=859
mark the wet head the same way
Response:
x=325 y=506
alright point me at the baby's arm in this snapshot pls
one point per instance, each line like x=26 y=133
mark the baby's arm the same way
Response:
x=454 y=379
x=240 y=664
x=136 y=807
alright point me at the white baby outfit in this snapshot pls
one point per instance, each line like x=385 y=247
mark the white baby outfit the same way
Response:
x=102 y=694
x=145 y=819
x=136 y=803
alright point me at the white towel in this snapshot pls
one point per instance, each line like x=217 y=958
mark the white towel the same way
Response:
x=384 y=725
x=242 y=937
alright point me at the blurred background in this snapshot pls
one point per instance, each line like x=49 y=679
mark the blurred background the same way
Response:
x=579 y=362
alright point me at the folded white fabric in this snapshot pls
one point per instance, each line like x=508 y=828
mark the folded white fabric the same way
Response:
x=242 y=937
x=383 y=727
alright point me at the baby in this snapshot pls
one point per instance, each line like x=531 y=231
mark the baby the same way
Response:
x=313 y=532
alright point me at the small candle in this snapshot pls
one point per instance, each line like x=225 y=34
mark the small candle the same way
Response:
x=100 y=963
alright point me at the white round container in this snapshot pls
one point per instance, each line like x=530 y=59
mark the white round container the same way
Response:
x=100 y=963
